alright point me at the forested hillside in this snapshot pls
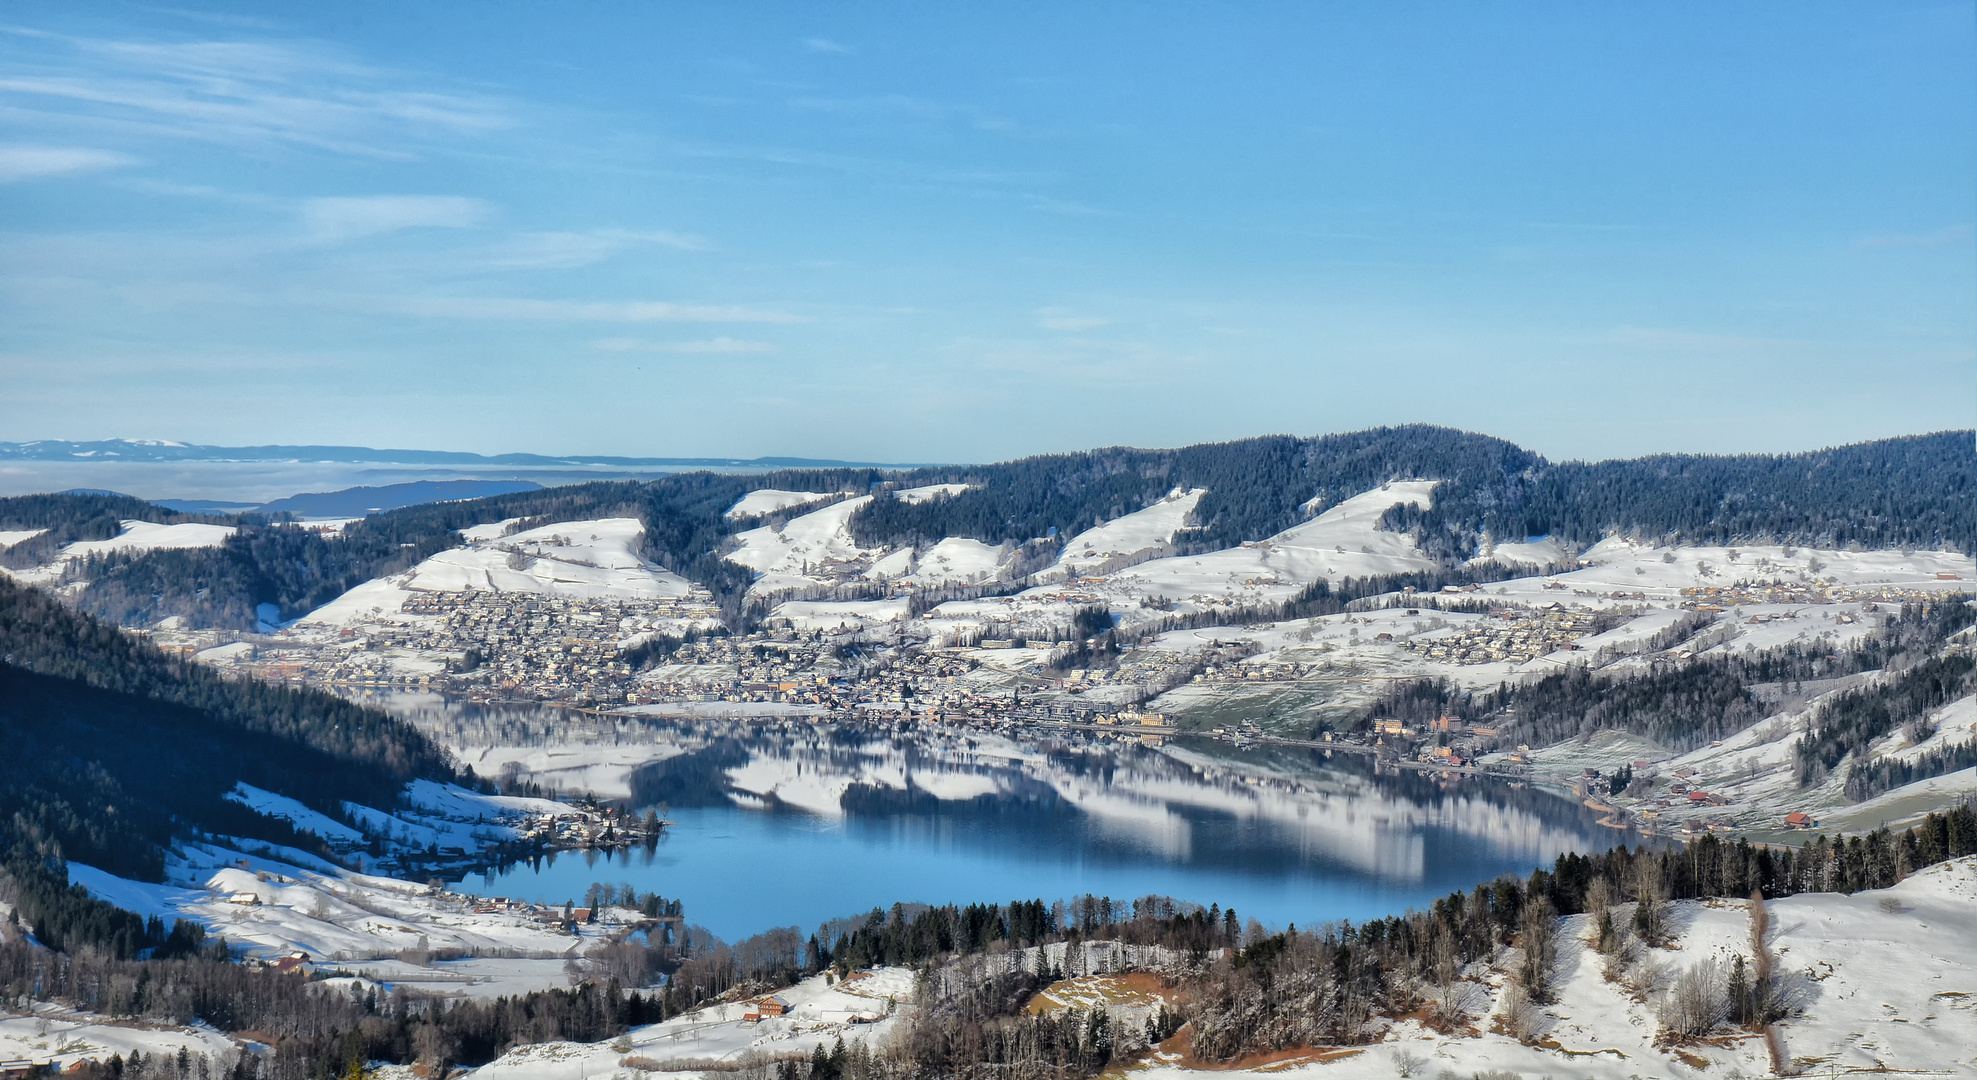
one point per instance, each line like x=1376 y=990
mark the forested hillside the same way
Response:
x=1916 y=491
x=115 y=747
x=1689 y=704
x=72 y=517
x=1912 y=491
x=298 y=569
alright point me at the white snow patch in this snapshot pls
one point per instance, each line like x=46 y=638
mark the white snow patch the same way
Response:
x=959 y=560
x=832 y=614
x=296 y=814
x=136 y=536
x=769 y=500
x=491 y=531
x=1128 y=535
x=929 y=493
x=785 y=558
x=581 y=560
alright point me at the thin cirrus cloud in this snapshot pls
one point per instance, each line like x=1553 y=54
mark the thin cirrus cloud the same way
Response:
x=824 y=45
x=1063 y=320
x=1954 y=236
x=714 y=347
x=567 y=250
x=638 y=311
x=39 y=162
x=352 y=218
x=241 y=92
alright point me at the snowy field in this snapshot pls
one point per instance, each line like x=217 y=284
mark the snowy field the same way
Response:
x=578 y=560
x=271 y=901
x=868 y=1006
x=769 y=500
x=1343 y=541
x=49 y=1034
x=1885 y=981
x=1125 y=537
x=136 y=536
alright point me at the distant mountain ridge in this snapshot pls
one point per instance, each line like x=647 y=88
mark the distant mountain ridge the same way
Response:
x=358 y=501
x=140 y=450
x=1915 y=491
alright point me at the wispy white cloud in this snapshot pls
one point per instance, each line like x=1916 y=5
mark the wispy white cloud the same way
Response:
x=895 y=170
x=1052 y=318
x=567 y=250
x=908 y=107
x=716 y=346
x=1066 y=207
x=825 y=45
x=240 y=92
x=35 y=162
x=637 y=311
x=1955 y=236
x=351 y=218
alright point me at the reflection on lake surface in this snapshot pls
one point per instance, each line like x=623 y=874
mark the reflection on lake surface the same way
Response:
x=786 y=822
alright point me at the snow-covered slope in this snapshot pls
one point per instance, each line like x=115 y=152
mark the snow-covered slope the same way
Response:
x=769 y=500
x=148 y=536
x=572 y=559
x=816 y=550
x=1125 y=537
x=813 y=549
x=1537 y=552
x=928 y=493
x=956 y=559
x=823 y=1012
x=1885 y=982
x=136 y=536
x=1344 y=541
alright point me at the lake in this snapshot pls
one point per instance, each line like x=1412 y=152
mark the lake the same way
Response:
x=780 y=823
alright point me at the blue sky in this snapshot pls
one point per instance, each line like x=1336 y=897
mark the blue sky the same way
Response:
x=971 y=232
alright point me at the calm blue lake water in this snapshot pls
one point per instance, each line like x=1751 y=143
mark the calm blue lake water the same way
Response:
x=794 y=824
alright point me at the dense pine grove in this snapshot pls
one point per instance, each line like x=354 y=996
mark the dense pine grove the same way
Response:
x=116 y=747
x=1849 y=723
x=1915 y=491
x=39 y=635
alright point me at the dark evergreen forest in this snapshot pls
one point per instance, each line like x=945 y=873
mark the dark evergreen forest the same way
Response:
x=116 y=747
x=1915 y=491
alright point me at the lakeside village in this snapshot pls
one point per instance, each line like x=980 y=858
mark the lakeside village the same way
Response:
x=668 y=657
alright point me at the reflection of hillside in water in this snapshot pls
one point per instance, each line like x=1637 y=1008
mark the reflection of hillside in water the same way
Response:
x=1274 y=811
x=1195 y=803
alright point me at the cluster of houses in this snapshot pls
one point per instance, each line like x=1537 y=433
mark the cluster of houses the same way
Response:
x=1802 y=593
x=1446 y=740
x=1510 y=635
x=481 y=643
x=1683 y=807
